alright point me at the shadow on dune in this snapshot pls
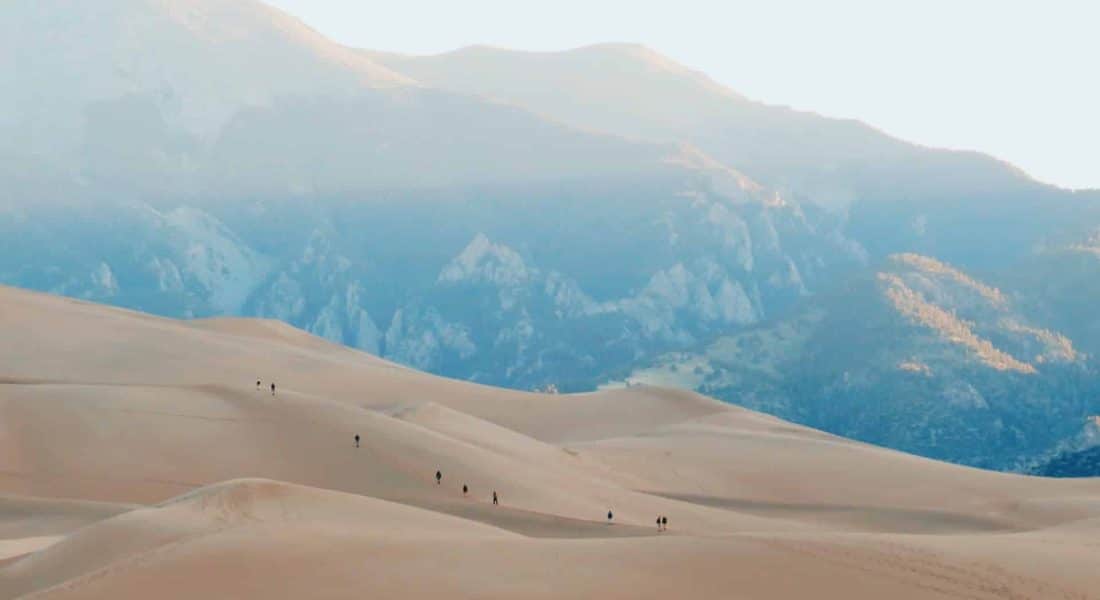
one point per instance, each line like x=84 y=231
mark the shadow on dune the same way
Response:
x=526 y=522
x=876 y=519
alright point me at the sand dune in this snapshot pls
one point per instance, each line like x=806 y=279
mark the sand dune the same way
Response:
x=30 y=517
x=137 y=459
x=254 y=506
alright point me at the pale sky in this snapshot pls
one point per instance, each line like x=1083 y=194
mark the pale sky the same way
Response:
x=1016 y=79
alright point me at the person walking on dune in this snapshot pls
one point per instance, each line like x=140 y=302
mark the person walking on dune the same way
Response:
x=438 y=477
x=495 y=500
x=658 y=523
x=258 y=385
x=609 y=517
x=465 y=490
x=357 y=440
x=664 y=523
x=272 y=388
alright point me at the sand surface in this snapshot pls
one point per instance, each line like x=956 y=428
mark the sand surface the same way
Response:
x=138 y=459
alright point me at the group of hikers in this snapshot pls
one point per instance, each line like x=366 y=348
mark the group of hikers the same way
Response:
x=662 y=521
x=439 y=481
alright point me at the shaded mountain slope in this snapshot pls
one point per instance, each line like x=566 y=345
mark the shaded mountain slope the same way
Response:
x=915 y=355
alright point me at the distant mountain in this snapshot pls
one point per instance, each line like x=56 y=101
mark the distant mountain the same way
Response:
x=128 y=93
x=1079 y=463
x=68 y=68
x=898 y=196
x=632 y=91
x=530 y=220
x=449 y=231
x=1060 y=283
x=914 y=355
x=174 y=101
x=1078 y=456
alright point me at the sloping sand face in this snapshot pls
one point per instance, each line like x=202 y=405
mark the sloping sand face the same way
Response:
x=138 y=459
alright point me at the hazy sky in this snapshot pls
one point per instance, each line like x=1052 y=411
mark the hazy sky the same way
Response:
x=1019 y=80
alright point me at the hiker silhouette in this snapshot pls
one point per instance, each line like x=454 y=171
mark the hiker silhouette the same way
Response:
x=495 y=501
x=465 y=490
x=272 y=388
x=438 y=477
x=357 y=440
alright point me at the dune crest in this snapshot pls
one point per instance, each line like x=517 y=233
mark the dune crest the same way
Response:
x=139 y=458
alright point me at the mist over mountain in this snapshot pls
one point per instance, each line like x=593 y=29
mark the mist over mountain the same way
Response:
x=574 y=219
x=899 y=196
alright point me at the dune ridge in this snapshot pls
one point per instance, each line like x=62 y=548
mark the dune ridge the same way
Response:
x=138 y=458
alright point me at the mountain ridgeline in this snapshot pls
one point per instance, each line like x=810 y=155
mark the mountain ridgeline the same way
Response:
x=601 y=216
